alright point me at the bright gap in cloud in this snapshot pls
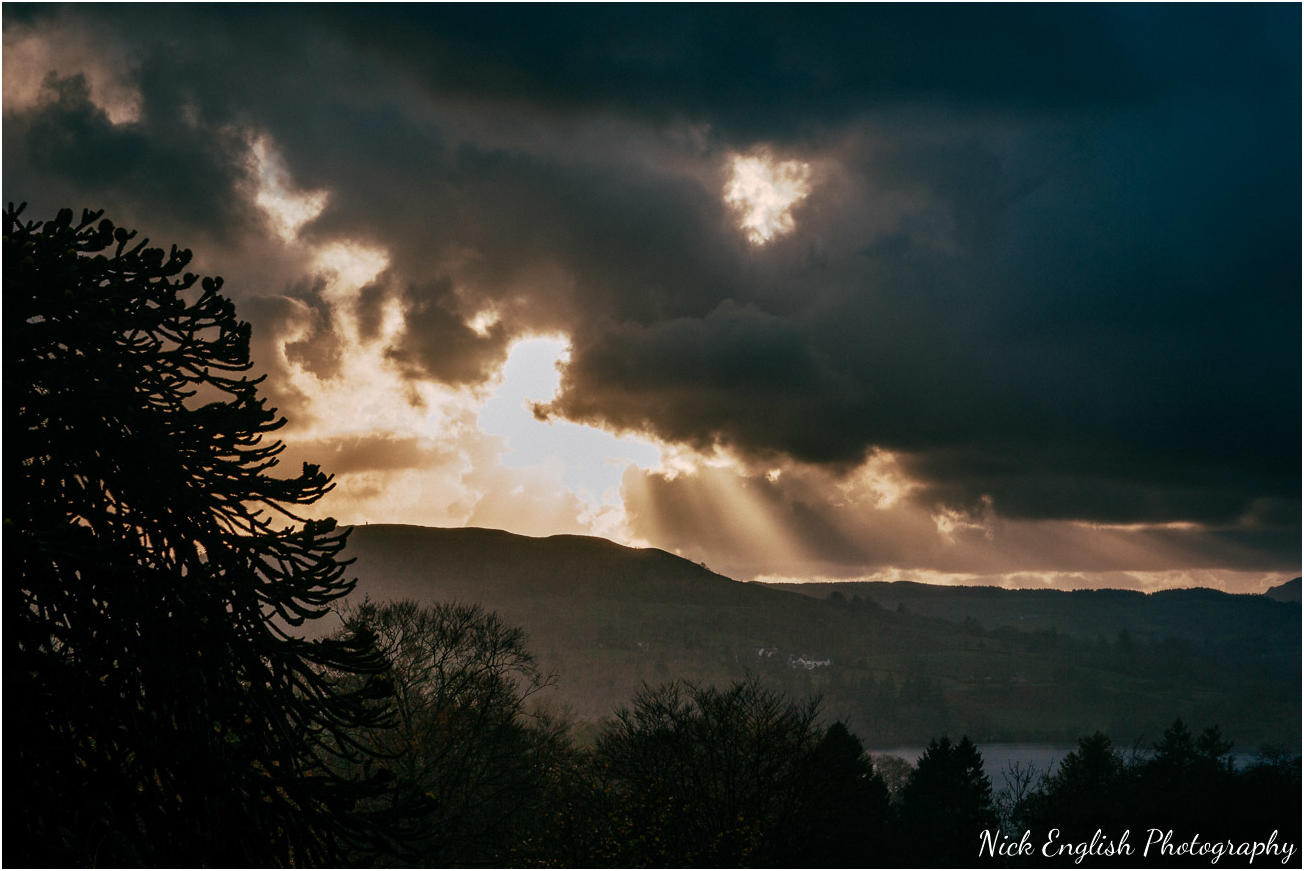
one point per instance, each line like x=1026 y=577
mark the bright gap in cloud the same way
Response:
x=483 y=322
x=762 y=192
x=348 y=267
x=412 y=450
x=589 y=461
x=287 y=209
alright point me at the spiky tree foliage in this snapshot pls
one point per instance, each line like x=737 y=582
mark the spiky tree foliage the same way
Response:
x=160 y=708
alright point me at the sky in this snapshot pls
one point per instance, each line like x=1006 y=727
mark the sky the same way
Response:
x=961 y=294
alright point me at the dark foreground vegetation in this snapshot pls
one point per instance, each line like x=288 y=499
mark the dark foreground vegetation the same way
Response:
x=704 y=776
x=165 y=706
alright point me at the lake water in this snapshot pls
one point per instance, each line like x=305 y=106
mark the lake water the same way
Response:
x=997 y=758
x=1045 y=758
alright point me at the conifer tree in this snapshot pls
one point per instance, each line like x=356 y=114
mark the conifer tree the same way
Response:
x=161 y=708
x=946 y=804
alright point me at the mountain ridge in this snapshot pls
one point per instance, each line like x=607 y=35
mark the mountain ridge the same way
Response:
x=576 y=559
x=607 y=618
x=1285 y=592
x=473 y=560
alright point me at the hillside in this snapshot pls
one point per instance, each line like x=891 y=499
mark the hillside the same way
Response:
x=606 y=618
x=1201 y=615
x=472 y=563
x=1287 y=592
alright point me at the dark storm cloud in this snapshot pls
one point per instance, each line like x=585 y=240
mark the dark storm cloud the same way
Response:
x=789 y=70
x=1074 y=334
x=318 y=349
x=170 y=172
x=1053 y=257
x=736 y=376
x=458 y=354
x=524 y=218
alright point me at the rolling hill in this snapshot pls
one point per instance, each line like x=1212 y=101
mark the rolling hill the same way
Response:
x=1198 y=614
x=605 y=618
x=1287 y=592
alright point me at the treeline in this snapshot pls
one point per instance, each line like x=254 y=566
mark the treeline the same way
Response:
x=1185 y=790
x=691 y=776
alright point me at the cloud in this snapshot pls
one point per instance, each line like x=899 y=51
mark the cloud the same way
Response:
x=782 y=524
x=347 y=455
x=439 y=342
x=737 y=375
x=790 y=71
x=763 y=191
x=175 y=174
x=1048 y=261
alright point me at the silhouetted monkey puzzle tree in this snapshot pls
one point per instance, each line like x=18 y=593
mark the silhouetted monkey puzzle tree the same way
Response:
x=159 y=708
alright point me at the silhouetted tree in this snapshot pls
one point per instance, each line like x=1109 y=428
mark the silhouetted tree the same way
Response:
x=1267 y=796
x=1092 y=789
x=842 y=817
x=895 y=773
x=1023 y=781
x=161 y=709
x=699 y=776
x=945 y=806
x=463 y=737
x=1186 y=782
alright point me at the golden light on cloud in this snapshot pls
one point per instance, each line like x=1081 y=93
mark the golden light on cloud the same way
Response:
x=762 y=192
x=1228 y=580
x=407 y=448
x=483 y=321
x=286 y=208
x=739 y=505
x=879 y=481
x=65 y=50
x=348 y=267
x=412 y=450
x=1175 y=525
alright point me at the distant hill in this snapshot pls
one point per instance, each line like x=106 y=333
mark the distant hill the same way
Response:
x=472 y=563
x=605 y=618
x=1198 y=614
x=1287 y=592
